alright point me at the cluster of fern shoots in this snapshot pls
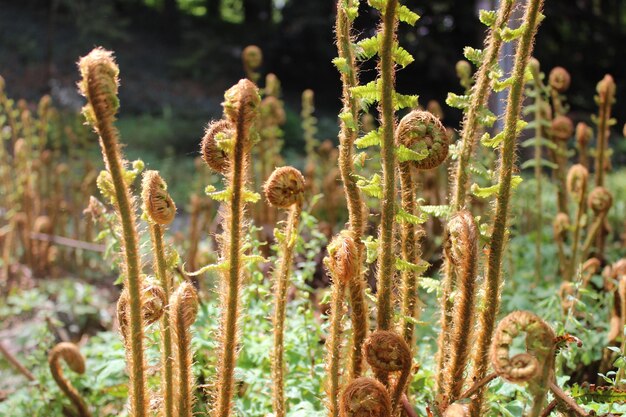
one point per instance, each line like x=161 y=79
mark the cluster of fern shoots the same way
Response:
x=368 y=367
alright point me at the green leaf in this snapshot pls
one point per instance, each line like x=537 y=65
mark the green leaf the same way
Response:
x=367 y=48
x=342 y=65
x=460 y=102
x=347 y=118
x=401 y=56
x=442 y=211
x=371 y=187
x=377 y=4
x=531 y=163
x=402 y=101
x=367 y=94
x=509 y=34
x=419 y=268
x=405 y=154
x=474 y=55
x=488 y=17
x=429 y=284
x=407 y=16
x=371 y=248
x=403 y=216
x=223 y=195
x=372 y=138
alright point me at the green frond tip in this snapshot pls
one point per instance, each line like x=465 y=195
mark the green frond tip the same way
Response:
x=429 y=284
x=405 y=154
x=419 y=268
x=403 y=101
x=401 y=56
x=221 y=195
x=509 y=34
x=342 y=65
x=348 y=119
x=251 y=196
x=367 y=48
x=485 y=192
x=403 y=216
x=488 y=17
x=531 y=163
x=359 y=159
x=494 y=142
x=461 y=102
x=372 y=138
x=372 y=187
x=486 y=117
x=220 y=266
x=351 y=8
x=367 y=94
x=377 y=4
x=441 y=211
x=498 y=85
x=371 y=249
x=475 y=56
x=407 y=16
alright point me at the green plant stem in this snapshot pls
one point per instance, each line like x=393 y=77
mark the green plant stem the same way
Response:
x=538 y=178
x=480 y=95
x=280 y=295
x=356 y=208
x=386 y=267
x=167 y=358
x=499 y=230
x=231 y=302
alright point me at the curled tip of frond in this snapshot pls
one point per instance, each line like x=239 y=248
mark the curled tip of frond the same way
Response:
x=153 y=302
x=463 y=69
x=273 y=111
x=99 y=84
x=562 y=128
x=308 y=95
x=157 y=203
x=365 y=397
x=20 y=148
x=252 y=57
x=567 y=290
x=43 y=224
x=606 y=88
x=387 y=351
x=560 y=224
x=457 y=410
x=70 y=354
x=461 y=236
x=241 y=103
x=213 y=154
x=559 y=79
x=526 y=366
x=284 y=187
x=583 y=133
x=185 y=304
x=591 y=265
x=577 y=177
x=535 y=67
x=619 y=268
x=434 y=107
x=272 y=85
x=600 y=200
x=422 y=131
x=342 y=260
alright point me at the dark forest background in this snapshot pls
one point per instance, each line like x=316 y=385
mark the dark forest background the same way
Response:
x=178 y=56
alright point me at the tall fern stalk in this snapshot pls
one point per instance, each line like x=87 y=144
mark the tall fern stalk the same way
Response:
x=505 y=174
x=99 y=85
x=356 y=209
x=386 y=267
x=479 y=97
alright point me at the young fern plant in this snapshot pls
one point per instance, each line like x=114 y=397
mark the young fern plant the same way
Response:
x=506 y=142
x=71 y=355
x=283 y=189
x=160 y=210
x=99 y=85
x=226 y=149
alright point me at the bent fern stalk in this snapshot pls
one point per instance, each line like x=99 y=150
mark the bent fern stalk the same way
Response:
x=71 y=355
x=283 y=189
x=99 y=85
x=505 y=176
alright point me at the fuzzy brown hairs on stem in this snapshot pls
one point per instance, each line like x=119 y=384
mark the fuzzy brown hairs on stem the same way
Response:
x=536 y=366
x=99 y=85
x=365 y=397
x=285 y=189
x=71 y=355
x=184 y=310
x=160 y=211
x=493 y=277
x=241 y=104
x=342 y=264
x=461 y=255
x=357 y=210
